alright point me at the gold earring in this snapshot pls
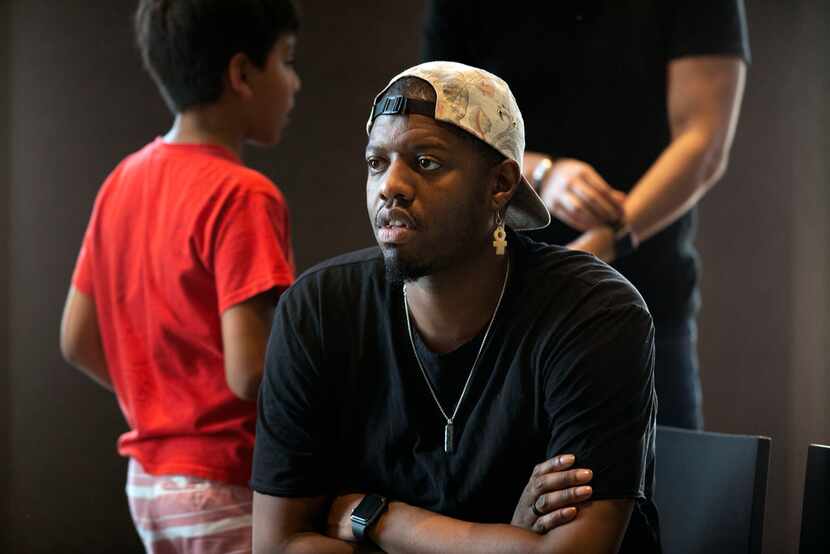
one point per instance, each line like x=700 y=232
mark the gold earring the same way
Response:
x=499 y=236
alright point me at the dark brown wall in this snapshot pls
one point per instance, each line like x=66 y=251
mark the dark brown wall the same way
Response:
x=5 y=212
x=764 y=238
x=76 y=101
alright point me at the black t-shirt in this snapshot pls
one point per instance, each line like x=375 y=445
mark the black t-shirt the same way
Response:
x=567 y=368
x=590 y=79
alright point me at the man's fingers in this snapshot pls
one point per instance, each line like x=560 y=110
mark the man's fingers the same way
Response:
x=554 y=519
x=606 y=191
x=560 y=480
x=600 y=206
x=572 y=211
x=552 y=501
x=557 y=463
x=595 y=179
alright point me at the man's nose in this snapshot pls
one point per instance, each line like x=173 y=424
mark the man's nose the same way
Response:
x=397 y=182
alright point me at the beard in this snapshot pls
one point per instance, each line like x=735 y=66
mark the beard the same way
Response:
x=399 y=269
x=426 y=256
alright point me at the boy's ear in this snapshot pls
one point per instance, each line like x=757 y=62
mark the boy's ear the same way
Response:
x=239 y=75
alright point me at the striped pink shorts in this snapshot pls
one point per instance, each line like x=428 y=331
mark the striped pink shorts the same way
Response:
x=177 y=514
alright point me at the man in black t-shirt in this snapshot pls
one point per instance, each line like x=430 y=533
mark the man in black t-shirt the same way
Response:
x=631 y=106
x=413 y=391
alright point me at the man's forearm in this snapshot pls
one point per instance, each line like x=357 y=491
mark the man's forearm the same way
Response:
x=704 y=98
x=311 y=543
x=598 y=528
x=670 y=188
x=293 y=525
x=673 y=184
x=407 y=529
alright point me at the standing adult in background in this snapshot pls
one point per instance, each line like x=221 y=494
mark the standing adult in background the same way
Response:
x=630 y=107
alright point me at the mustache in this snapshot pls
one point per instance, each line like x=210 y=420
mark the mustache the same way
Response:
x=385 y=214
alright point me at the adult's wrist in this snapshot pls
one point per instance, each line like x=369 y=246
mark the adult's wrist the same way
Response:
x=625 y=241
x=367 y=514
x=376 y=531
x=540 y=173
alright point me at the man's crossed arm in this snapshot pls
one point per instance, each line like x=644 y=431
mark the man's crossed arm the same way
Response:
x=322 y=525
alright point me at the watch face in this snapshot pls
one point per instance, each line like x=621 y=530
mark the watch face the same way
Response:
x=368 y=507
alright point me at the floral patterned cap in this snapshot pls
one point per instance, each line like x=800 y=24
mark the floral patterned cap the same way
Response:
x=481 y=104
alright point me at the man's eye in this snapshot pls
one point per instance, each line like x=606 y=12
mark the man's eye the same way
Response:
x=375 y=164
x=428 y=164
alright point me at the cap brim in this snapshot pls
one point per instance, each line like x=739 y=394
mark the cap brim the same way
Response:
x=526 y=210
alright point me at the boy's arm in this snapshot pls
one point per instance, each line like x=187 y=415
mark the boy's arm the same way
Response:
x=81 y=339
x=245 y=330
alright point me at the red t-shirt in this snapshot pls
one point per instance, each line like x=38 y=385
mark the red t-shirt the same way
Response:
x=180 y=233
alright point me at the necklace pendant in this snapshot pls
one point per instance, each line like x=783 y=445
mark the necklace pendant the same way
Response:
x=449 y=446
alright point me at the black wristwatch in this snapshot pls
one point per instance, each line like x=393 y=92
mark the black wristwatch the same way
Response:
x=624 y=240
x=367 y=513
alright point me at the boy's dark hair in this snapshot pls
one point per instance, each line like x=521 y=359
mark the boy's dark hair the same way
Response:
x=418 y=89
x=186 y=44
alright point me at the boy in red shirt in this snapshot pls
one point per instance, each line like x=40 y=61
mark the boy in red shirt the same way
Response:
x=184 y=257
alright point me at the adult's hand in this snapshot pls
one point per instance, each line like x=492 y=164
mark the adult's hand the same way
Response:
x=577 y=195
x=554 y=490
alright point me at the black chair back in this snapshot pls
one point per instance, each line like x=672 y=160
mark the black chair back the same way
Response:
x=815 y=511
x=710 y=490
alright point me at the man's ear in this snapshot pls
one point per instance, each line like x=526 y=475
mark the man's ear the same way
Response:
x=506 y=177
x=238 y=75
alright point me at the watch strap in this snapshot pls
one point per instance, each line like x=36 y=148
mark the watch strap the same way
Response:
x=540 y=173
x=361 y=524
x=624 y=242
x=359 y=530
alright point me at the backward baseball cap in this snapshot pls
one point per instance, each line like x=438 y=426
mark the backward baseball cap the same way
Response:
x=481 y=104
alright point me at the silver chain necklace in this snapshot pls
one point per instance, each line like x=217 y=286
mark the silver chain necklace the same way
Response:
x=449 y=443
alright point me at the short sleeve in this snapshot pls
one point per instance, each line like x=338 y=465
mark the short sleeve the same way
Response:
x=443 y=32
x=251 y=250
x=601 y=402
x=708 y=27
x=292 y=409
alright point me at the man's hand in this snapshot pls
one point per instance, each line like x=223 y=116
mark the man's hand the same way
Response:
x=577 y=195
x=554 y=490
